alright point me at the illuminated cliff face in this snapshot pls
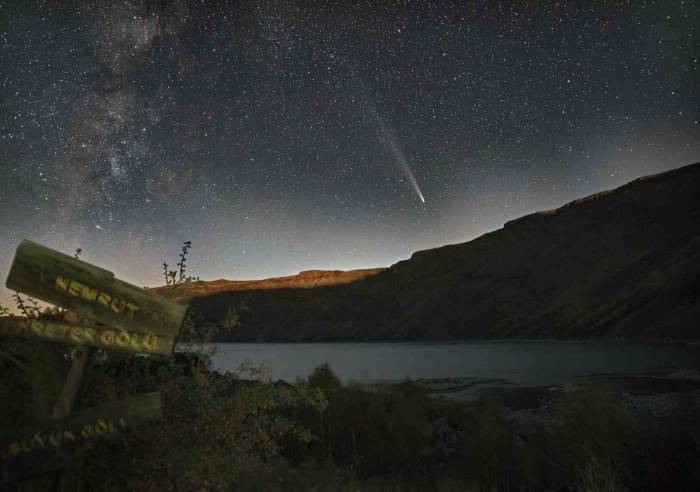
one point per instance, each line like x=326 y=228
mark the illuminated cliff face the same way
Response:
x=304 y=280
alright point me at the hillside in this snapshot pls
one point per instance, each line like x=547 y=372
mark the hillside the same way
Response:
x=621 y=263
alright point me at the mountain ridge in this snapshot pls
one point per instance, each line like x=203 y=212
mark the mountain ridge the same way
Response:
x=618 y=263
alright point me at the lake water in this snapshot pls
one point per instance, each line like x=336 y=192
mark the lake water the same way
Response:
x=520 y=363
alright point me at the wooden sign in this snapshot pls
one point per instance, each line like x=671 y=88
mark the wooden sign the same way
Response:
x=32 y=451
x=103 y=421
x=142 y=318
x=95 y=336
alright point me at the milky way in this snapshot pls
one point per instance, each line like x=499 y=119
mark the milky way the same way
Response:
x=281 y=136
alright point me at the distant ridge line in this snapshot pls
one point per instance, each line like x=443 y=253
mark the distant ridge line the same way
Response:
x=671 y=173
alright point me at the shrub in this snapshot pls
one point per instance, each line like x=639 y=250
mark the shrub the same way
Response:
x=215 y=430
x=494 y=456
x=371 y=433
x=589 y=431
x=324 y=378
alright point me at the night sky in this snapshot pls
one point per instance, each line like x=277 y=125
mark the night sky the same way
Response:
x=281 y=136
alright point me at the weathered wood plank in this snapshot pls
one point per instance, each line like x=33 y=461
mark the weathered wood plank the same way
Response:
x=103 y=421
x=66 y=398
x=91 y=291
x=95 y=336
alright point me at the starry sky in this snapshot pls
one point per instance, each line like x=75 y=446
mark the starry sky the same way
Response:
x=280 y=136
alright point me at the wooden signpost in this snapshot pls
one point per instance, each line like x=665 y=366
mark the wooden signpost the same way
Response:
x=95 y=294
x=114 y=315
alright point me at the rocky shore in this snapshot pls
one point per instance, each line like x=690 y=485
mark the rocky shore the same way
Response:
x=652 y=398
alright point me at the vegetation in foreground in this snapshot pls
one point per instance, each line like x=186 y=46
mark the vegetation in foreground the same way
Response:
x=241 y=431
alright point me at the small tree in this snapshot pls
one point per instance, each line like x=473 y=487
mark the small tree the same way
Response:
x=179 y=276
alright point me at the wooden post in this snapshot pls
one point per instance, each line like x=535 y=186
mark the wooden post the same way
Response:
x=66 y=399
x=63 y=407
x=113 y=315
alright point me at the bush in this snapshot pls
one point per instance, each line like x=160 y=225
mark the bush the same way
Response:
x=371 y=433
x=324 y=378
x=665 y=451
x=590 y=429
x=494 y=456
x=215 y=430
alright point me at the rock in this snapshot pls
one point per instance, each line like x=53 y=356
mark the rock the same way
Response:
x=685 y=374
x=441 y=428
x=662 y=404
x=527 y=423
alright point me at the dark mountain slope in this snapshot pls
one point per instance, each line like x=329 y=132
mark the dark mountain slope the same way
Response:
x=622 y=263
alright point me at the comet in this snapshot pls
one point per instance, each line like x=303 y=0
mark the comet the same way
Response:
x=387 y=136
x=397 y=153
